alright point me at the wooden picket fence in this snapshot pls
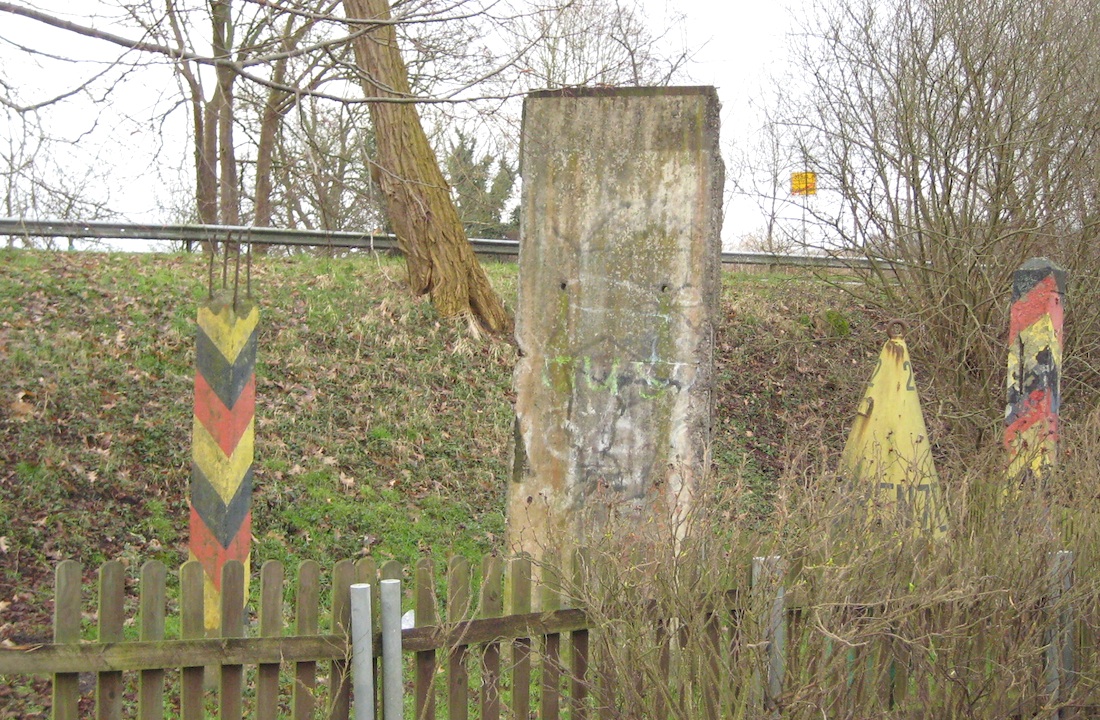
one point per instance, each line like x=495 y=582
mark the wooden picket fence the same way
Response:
x=290 y=661
x=478 y=660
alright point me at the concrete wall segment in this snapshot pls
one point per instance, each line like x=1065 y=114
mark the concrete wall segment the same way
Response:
x=618 y=299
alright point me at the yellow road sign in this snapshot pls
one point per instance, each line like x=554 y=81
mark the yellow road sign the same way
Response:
x=889 y=444
x=803 y=183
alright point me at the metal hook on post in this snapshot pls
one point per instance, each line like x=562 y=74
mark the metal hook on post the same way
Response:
x=237 y=278
x=225 y=259
x=210 y=273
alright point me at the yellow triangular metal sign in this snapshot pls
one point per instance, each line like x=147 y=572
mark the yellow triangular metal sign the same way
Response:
x=889 y=444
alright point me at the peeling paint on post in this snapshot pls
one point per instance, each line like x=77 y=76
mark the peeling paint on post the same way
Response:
x=1034 y=369
x=889 y=445
x=618 y=299
x=223 y=441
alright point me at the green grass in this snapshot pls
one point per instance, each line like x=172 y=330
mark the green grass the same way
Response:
x=384 y=430
x=381 y=428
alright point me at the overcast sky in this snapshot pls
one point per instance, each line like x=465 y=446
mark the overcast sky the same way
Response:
x=742 y=46
x=737 y=46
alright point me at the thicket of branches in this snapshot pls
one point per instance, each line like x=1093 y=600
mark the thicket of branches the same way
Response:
x=952 y=140
x=275 y=91
x=278 y=126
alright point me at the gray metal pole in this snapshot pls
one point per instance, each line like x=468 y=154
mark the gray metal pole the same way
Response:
x=392 y=685
x=362 y=652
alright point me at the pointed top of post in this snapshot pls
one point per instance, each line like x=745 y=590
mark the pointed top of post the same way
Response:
x=1033 y=272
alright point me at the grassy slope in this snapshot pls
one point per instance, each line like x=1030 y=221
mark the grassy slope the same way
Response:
x=380 y=428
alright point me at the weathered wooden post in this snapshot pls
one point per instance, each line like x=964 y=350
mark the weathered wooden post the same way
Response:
x=618 y=300
x=223 y=440
x=1034 y=369
x=768 y=577
x=1060 y=634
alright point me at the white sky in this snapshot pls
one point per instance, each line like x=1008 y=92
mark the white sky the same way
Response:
x=742 y=45
x=737 y=46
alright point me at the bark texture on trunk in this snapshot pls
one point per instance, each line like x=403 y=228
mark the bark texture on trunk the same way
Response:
x=274 y=109
x=228 y=195
x=441 y=262
x=206 y=151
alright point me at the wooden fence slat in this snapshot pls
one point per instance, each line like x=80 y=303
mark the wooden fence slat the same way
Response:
x=271 y=626
x=425 y=660
x=458 y=609
x=767 y=577
x=578 y=692
x=343 y=575
x=1059 y=635
x=710 y=665
x=231 y=685
x=152 y=599
x=605 y=678
x=306 y=615
x=137 y=655
x=66 y=629
x=112 y=589
x=687 y=669
x=192 y=627
x=392 y=570
x=664 y=662
x=550 y=695
x=899 y=658
x=492 y=605
x=520 y=571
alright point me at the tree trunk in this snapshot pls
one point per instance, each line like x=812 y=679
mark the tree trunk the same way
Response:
x=441 y=262
x=228 y=194
x=206 y=169
x=265 y=153
x=276 y=106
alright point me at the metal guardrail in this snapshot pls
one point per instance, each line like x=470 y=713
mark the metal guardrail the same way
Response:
x=382 y=242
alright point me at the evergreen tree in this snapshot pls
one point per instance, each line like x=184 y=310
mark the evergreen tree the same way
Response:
x=479 y=193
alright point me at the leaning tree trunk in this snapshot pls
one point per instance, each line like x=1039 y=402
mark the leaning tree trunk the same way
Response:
x=440 y=260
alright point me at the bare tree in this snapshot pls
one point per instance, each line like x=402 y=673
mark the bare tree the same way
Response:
x=961 y=137
x=322 y=169
x=34 y=182
x=243 y=67
x=592 y=42
x=441 y=262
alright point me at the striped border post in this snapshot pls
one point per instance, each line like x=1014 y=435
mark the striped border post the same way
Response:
x=1034 y=369
x=223 y=441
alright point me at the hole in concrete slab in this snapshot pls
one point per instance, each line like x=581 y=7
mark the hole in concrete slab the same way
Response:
x=562 y=285
x=664 y=288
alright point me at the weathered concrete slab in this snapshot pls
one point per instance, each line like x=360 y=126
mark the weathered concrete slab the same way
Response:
x=618 y=299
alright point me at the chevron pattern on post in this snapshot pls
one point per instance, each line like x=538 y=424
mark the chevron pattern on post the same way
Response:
x=1034 y=368
x=223 y=440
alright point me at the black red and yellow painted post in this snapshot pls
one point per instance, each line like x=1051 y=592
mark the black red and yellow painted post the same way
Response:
x=223 y=440
x=889 y=447
x=1034 y=369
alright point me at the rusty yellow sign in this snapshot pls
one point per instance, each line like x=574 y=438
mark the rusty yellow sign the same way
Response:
x=889 y=444
x=803 y=183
